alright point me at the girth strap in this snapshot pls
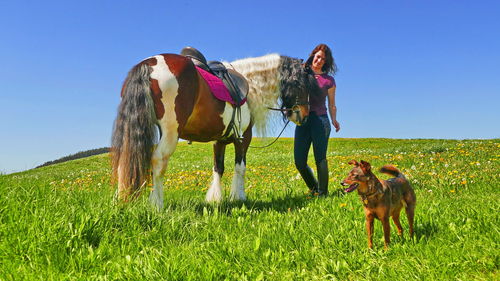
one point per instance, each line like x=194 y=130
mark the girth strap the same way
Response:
x=234 y=127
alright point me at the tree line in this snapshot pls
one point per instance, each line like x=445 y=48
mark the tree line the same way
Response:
x=78 y=155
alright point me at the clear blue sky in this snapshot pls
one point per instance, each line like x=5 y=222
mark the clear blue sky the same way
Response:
x=408 y=69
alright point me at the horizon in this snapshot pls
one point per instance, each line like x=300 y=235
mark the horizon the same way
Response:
x=413 y=70
x=255 y=137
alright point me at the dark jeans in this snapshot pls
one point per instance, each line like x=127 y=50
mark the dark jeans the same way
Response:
x=316 y=131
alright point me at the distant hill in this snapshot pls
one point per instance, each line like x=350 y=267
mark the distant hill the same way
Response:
x=81 y=154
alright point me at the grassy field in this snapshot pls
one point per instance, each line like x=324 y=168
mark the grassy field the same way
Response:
x=59 y=223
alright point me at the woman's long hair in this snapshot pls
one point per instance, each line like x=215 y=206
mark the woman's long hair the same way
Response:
x=329 y=66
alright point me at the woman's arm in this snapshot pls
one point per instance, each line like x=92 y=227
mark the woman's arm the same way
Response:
x=332 y=108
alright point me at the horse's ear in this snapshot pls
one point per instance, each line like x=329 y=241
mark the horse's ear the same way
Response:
x=353 y=162
x=365 y=166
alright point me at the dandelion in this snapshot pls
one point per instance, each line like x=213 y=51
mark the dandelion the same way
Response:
x=452 y=191
x=342 y=205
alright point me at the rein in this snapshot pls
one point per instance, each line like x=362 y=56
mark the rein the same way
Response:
x=294 y=108
x=279 y=135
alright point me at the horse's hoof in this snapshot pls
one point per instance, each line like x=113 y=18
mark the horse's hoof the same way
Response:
x=213 y=197
x=213 y=200
x=237 y=198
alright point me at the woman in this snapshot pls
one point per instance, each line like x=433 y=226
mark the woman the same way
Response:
x=317 y=128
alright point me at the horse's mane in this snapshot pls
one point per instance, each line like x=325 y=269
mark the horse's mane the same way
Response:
x=262 y=76
x=270 y=79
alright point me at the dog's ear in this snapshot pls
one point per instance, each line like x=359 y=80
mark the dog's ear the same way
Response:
x=365 y=166
x=353 y=162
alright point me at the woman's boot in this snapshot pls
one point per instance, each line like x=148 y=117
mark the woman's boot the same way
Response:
x=308 y=176
x=322 y=177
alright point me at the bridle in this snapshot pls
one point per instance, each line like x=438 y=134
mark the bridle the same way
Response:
x=295 y=109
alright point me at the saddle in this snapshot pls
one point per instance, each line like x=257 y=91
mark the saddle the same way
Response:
x=234 y=82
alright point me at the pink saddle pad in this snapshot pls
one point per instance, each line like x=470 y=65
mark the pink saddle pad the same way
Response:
x=219 y=90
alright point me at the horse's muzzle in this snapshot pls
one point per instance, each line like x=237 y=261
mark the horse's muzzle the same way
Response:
x=299 y=114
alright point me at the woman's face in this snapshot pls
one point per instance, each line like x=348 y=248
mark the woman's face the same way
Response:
x=318 y=60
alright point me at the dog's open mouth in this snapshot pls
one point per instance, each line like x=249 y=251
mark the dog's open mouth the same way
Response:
x=351 y=188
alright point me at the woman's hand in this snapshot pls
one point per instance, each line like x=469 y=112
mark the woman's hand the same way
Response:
x=336 y=124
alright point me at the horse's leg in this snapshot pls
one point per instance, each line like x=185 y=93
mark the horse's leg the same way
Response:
x=214 y=193
x=240 y=148
x=122 y=192
x=161 y=155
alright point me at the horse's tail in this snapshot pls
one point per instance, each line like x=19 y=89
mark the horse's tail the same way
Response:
x=134 y=133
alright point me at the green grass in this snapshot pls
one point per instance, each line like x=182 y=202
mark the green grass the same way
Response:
x=59 y=223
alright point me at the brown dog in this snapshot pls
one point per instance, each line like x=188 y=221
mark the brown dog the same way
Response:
x=382 y=198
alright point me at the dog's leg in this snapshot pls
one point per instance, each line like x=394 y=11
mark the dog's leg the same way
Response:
x=369 y=229
x=395 y=219
x=411 y=201
x=387 y=230
x=410 y=214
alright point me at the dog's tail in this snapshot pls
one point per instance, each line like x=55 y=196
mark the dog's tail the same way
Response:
x=391 y=170
x=409 y=198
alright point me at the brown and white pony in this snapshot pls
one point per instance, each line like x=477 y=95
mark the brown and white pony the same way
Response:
x=164 y=98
